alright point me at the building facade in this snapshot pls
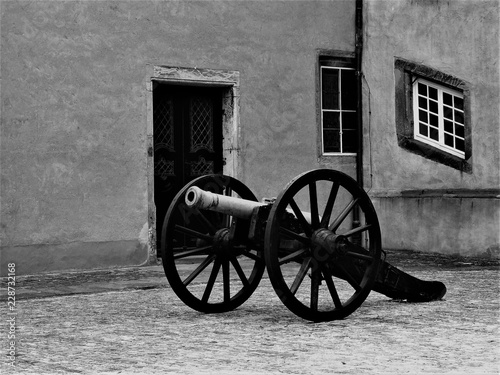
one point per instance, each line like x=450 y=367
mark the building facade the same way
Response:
x=108 y=107
x=431 y=124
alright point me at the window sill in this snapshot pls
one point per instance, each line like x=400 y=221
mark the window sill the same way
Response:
x=334 y=154
x=337 y=160
x=429 y=152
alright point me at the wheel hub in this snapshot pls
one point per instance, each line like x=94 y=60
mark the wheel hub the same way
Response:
x=326 y=245
x=221 y=241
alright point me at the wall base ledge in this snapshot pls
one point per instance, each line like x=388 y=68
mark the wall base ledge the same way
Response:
x=436 y=193
x=34 y=259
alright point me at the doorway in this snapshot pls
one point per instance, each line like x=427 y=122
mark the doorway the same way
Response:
x=187 y=140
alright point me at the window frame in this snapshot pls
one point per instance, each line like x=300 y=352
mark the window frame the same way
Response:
x=406 y=73
x=341 y=61
x=440 y=143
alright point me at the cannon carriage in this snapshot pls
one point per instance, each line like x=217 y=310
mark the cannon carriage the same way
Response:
x=319 y=240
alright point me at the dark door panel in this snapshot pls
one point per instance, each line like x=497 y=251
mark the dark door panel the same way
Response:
x=187 y=131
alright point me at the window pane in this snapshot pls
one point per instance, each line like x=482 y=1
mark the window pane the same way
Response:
x=433 y=106
x=448 y=113
x=349 y=120
x=459 y=130
x=349 y=140
x=422 y=102
x=433 y=93
x=448 y=126
x=422 y=89
x=422 y=116
x=459 y=103
x=460 y=144
x=331 y=120
x=423 y=129
x=349 y=90
x=434 y=134
x=448 y=140
x=447 y=99
x=330 y=88
x=459 y=117
x=434 y=120
x=331 y=139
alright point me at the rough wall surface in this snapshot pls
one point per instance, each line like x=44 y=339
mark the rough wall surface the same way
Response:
x=73 y=143
x=459 y=38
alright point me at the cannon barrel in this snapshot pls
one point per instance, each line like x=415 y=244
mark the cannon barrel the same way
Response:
x=237 y=207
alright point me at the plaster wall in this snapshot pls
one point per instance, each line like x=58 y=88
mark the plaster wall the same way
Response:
x=75 y=75
x=459 y=38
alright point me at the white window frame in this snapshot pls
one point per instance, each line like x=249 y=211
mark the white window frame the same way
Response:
x=440 y=144
x=340 y=111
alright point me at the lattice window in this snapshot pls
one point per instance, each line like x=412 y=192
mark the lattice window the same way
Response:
x=164 y=168
x=164 y=125
x=201 y=124
x=439 y=117
x=201 y=167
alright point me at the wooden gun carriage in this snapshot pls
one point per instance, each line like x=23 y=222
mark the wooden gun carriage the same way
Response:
x=319 y=240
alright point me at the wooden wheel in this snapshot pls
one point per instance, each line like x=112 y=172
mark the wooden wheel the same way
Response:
x=322 y=245
x=207 y=268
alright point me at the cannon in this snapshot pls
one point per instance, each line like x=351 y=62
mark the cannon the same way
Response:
x=319 y=240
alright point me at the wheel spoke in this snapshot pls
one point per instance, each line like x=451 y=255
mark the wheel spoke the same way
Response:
x=336 y=223
x=313 y=199
x=189 y=213
x=300 y=275
x=226 y=221
x=239 y=249
x=291 y=256
x=211 y=281
x=199 y=269
x=300 y=217
x=253 y=256
x=226 y=280
x=188 y=253
x=359 y=252
x=366 y=257
x=357 y=230
x=329 y=206
x=344 y=275
x=239 y=271
x=192 y=233
x=295 y=236
x=331 y=288
x=315 y=281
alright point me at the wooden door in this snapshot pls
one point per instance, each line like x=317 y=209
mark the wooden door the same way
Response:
x=187 y=133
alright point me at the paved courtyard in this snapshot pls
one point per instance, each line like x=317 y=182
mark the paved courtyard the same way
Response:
x=130 y=321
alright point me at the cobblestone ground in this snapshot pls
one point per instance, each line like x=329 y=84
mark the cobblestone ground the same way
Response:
x=151 y=331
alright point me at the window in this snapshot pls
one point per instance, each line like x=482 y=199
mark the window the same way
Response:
x=338 y=98
x=439 y=117
x=433 y=114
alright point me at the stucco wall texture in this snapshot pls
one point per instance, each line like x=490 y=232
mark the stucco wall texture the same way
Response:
x=459 y=38
x=74 y=167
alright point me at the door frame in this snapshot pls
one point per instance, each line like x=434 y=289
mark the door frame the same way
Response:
x=229 y=81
